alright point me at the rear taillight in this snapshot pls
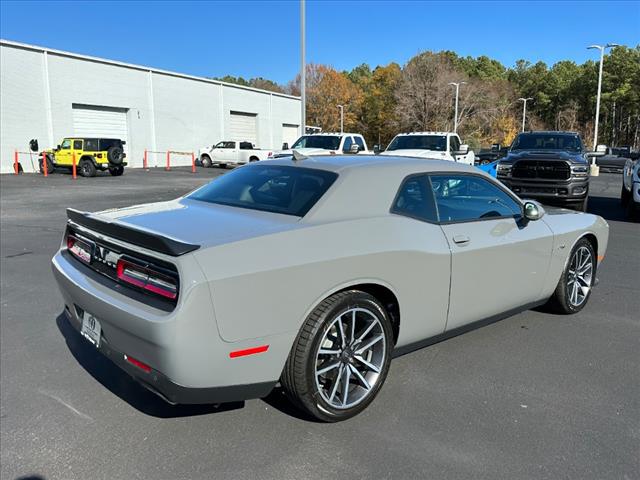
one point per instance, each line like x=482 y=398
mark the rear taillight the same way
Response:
x=148 y=279
x=79 y=248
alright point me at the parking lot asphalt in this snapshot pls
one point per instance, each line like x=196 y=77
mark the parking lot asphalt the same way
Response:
x=532 y=396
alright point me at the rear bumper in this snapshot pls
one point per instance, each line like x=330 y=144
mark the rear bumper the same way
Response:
x=169 y=391
x=568 y=191
x=187 y=360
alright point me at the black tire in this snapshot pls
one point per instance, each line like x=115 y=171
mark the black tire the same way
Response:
x=560 y=301
x=582 y=205
x=206 y=161
x=116 y=171
x=115 y=155
x=87 y=168
x=299 y=375
x=253 y=159
x=632 y=210
x=50 y=166
x=222 y=165
x=624 y=196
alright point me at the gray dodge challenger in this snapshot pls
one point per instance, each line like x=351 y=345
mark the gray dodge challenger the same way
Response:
x=312 y=273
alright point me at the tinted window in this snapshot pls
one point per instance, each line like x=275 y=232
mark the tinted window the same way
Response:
x=467 y=197
x=225 y=145
x=287 y=190
x=422 y=142
x=91 y=145
x=77 y=144
x=246 y=146
x=415 y=199
x=547 y=141
x=348 y=141
x=454 y=144
x=360 y=142
x=326 y=142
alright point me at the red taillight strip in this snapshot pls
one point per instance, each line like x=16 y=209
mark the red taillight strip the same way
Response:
x=142 y=366
x=122 y=275
x=248 y=351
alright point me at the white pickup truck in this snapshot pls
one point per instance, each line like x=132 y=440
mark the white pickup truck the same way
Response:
x=432 y=145
x=326 y=144
x=231 y=153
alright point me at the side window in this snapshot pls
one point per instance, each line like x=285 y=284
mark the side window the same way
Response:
x=66 y=144
x=462 y=198
x=77 y=144
x=454 y=145
x=91 y=145
x=414 y=199
x=348 y=141
x=359 y=142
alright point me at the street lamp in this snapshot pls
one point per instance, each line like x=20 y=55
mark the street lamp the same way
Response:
x=341 y=118
x=524 y=109
x=455 y=120
x=595 y=130
x=303 y=74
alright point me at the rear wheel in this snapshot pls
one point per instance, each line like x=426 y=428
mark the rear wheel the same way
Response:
x=87 y=168
x=50 y=166
x=341 y=357
x=576 y=282
x=116 y=171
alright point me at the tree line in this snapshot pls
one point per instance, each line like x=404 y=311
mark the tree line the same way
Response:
x=388 y=99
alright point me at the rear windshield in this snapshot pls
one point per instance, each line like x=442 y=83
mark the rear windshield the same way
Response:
x=269 y=188
x=326 y=142
x=420 y=142
x=545 y=141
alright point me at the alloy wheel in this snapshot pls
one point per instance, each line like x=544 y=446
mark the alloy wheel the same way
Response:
x=580 y=276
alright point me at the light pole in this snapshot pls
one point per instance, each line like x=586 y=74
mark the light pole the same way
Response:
x=455 y=119
x=303 y=74
x=524 y=109
x=595 y=129
x=341 y=118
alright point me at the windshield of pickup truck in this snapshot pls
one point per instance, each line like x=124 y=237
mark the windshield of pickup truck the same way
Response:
x=326 y=142
x=545 y=141
x=275 y=189
x=419 y=142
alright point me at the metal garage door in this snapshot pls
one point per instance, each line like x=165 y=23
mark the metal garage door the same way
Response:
x=96 y=121
x=244 y=127
x=290 y=133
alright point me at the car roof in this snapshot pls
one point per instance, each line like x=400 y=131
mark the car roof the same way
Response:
x=333 y=134
x=424 y=133
x=344 y=163
x=549 y=132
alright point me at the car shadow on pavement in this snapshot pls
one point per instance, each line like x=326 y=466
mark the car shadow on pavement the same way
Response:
x=608 y=208
x=125 y=387
x=278 y=400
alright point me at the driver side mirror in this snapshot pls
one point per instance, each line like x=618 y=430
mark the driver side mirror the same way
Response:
x=376 y=149
x=285 y=146
x=462 y=150
x=600 y=151
x=533 y=210
x=58 y=147
x=353 y=149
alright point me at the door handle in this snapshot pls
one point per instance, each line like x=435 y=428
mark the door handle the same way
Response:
x=461 y=239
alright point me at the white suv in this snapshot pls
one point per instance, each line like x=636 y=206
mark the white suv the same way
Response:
x=326 y=144
x=432 y=145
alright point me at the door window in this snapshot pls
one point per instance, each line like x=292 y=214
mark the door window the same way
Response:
x=348 y=141
x=414 y=199
x=455 y=144
x=77 y=144
x=463 y=198
x=66 y=144
x=359 y=142
x=229 y=145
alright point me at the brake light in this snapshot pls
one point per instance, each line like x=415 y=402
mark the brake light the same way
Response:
x=79 y=249
x=147 y=279
x=134 y=361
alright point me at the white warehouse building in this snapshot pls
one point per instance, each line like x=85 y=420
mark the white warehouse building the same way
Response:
x=49 y=94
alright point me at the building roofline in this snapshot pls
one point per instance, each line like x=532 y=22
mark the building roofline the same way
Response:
x=62 y=53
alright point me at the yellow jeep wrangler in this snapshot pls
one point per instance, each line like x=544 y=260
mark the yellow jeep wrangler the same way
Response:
x=91 y=154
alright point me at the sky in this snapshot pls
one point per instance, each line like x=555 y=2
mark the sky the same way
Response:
x=262 y=39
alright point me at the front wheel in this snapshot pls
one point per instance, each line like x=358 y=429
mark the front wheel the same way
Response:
x=206 y=161
x=577 y=280
x=341 y=357
x=50 y=166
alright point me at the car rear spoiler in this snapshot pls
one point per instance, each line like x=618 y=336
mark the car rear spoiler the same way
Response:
x=141 y=238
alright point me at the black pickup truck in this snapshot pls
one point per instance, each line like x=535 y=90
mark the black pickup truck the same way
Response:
x=551 y=167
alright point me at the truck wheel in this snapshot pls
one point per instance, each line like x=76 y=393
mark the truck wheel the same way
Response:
x=206 y=161
x=576 y=281
x=115 y=155
x=50 y=166
x=340 y=358
x=582 y=206
x=87 y=168
x=624 y=196
x=116 y=171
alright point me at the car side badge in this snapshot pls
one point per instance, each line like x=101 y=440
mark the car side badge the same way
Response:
x=297 y=156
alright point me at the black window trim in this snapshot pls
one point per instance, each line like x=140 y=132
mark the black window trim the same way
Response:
x=498 y=185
